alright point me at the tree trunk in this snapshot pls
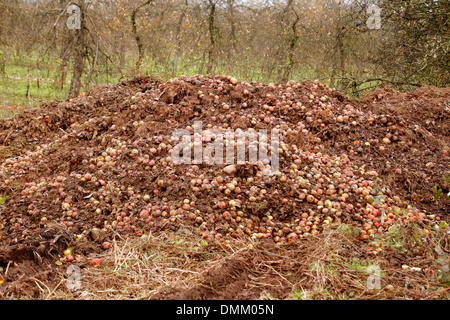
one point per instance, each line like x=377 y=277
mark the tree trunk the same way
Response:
x=341 y=52
x=79 y=54
x=292 y=44
x=139 y=44
x=122 y=55
x=178 y=39
x=341 y=49
x=232 y=47
x=281 y=69
x=212 y=37
x=65 y=58
x=137 y=37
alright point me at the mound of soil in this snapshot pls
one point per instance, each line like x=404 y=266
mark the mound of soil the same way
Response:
x=76 y=173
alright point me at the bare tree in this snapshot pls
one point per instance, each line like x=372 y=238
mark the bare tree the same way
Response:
x=266 y=40
x=233 y=37
x=415 y=44
x=136 y=35
x=178 y=37
x=292 y=36
x=79 y=53
x=212 y=36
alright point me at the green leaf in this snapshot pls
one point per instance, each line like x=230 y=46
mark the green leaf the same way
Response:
x=441 y=260
x=397 y=210
x=3 y=199
x=446 y=178
x=438 y=250
x=437 y=192
x=376 y=201
x=355 y=232
x=443 y=225
x=375 y=190
x=417 y=199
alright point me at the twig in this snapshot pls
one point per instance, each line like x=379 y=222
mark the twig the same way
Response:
x=121 y=238
x=280 y=275
x=437 y=293
x=55 y=288
x=37 y=280
x=7 y=268
x=181 y=270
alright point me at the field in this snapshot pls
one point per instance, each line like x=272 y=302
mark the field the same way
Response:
x=93 y=206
